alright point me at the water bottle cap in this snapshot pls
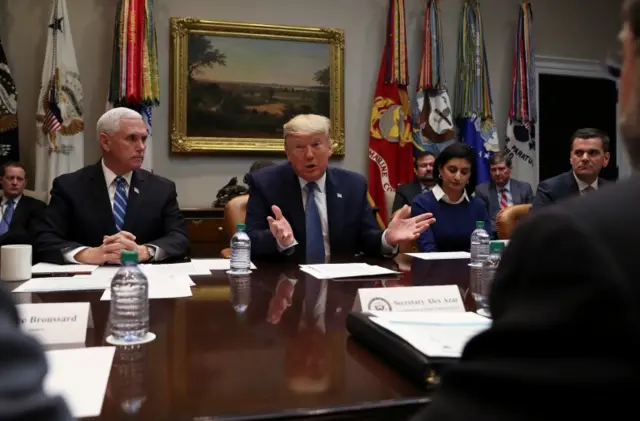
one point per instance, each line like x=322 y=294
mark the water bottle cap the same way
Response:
x=496 y=246
x=129 y=256
x=240 y=227
x=479 y=224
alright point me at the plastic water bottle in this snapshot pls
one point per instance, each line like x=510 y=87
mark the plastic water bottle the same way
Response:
x=240 y=251
x=480 y=240
x=488 y=268
x=129 y=315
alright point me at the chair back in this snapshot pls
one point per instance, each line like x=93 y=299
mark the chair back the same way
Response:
x=508 y=218
x=235 y=212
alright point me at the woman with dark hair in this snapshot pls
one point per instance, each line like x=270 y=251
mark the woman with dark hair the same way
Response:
x=450 y=202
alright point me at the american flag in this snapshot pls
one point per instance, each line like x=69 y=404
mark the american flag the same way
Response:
x=52 y=117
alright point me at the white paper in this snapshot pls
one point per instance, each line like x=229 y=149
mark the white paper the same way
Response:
x=441 y=255
x=214 y=264
x=55 y=323
x=170 y=286
x=435 y=334
x=64 y=283
x=43 y=268
x=153 y=271
x=345 y=270
x=80 y=376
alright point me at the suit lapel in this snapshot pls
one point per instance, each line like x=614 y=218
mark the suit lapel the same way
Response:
x=100 y=200
x=295 y=216
x=335 y=209
x=515 y=192
x=19 y=212
x=494 y=205
x=133 y=201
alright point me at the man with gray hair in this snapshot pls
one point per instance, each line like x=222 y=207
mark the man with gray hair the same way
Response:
x=306 y=210
x=565 y=302
x=102 y=209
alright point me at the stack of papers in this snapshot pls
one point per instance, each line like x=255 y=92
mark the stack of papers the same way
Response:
x=435 y=334
x=45 y=268
x=345 y=270
x=441 y=255
x=167 y=286
x=80 y=376
x=65 y=283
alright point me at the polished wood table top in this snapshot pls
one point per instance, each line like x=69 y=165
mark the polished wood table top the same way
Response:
x=270 y=345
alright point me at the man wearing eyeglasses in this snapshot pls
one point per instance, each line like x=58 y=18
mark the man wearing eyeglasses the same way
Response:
x=303 y=209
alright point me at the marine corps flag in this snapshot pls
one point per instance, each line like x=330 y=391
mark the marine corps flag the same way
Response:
x=390 y=147
x=9 y=145
x=60 y=115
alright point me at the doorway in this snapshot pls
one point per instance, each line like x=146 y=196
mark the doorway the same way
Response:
x=573 y=94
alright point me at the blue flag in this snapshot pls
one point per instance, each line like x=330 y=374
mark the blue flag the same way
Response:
x=471 y=133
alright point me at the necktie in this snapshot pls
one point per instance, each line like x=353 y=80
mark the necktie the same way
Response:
x=6 y=217
x=120 y=203
x=315 y=241
x=504 y=200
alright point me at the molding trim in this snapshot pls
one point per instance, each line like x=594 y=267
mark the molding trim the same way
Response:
x=571 y=67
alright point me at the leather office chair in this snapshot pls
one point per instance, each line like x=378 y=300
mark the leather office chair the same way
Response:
x=235 y=212
x=508 y=218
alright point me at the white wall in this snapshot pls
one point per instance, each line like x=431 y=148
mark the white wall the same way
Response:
x=567 y=28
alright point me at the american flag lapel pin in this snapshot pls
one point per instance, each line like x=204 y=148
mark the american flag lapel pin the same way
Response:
x=339 y=196
x=135 y=189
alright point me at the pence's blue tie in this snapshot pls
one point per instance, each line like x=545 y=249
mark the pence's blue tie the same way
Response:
x=120 y=203
x=315 y=240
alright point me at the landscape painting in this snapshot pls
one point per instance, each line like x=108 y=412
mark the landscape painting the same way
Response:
x=235 y=85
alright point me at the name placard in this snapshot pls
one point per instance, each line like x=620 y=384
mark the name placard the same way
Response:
x=417 y=298
x=56 y=323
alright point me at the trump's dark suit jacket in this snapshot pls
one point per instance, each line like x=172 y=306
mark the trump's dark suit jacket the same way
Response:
x=22 y=370
x=521 y=192
x=80 y=214
x=26 y=212
x=557 y=188
x=352 y=227
x=565 y=336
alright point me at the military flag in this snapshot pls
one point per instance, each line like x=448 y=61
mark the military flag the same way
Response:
x=9 y=143
x=390 y=141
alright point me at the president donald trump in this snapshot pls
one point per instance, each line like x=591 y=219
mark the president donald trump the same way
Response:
x=307 y=211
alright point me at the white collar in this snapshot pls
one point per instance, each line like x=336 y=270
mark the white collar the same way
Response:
x=15 y=201
x=109 y=175
x=321 y=183
x=582 y=185
x=441 y=195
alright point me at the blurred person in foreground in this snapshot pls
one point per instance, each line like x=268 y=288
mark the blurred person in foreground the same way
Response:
x=565 y=337
x=305 y=210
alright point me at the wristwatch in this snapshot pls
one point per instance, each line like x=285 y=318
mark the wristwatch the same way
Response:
x=151 y=251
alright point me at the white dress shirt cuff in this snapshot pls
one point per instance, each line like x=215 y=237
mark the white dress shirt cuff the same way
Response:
x=387 y=250
x=70 y=255
x=286 y=250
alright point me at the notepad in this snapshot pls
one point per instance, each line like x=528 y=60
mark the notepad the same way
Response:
x=80 y=376
x=435 y=334
x=44 y=268
x=65 y=283
x=171 y=286
x=345 y=270
x=441 y=255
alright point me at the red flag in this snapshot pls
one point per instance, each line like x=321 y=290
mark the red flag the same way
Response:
x=390 y=147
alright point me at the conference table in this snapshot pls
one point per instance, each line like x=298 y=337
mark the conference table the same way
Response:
x=247 y=348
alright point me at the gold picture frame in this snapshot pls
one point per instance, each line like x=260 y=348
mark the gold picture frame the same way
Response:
x=202 y=89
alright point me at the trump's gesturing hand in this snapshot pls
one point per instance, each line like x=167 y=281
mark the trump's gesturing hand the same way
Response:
x=402 y=228
x=280 y=228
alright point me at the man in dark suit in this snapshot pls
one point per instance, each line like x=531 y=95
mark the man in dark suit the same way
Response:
x=102 y=209
x=18 y=211
x=405 y=193
x=565 y=302
x=304 y=210
x=23 y=368
x=502 y=190
x=589 y=154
